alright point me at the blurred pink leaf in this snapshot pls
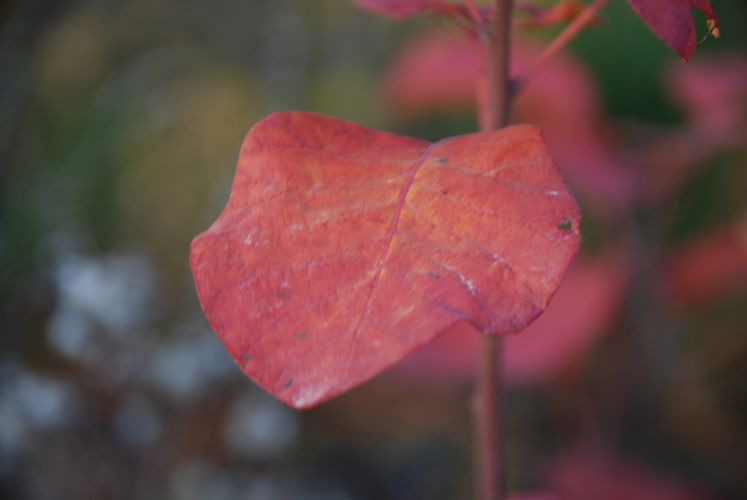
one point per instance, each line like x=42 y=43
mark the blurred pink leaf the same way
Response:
x=594 y=474
x=709 y=267
x=434 y=72
x=438 y=71
x=581 y=311
x=713 y=93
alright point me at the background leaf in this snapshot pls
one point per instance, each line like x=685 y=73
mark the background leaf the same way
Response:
x=672 y=22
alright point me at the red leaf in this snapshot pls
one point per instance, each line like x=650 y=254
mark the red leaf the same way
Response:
x=403 y=9
x=578 y=315
x=342 y=249
x=672 y=21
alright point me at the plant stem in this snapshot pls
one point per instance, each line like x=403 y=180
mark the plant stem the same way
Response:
x=488 y=422
x=499 y=92
x=561 y=41
x=490 y=482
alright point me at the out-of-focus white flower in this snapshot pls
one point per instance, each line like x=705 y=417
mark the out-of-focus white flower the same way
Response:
x=257 y=426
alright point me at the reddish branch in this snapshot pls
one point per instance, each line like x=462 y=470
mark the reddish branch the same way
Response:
x=499 y=93
x=490 y=477
x=490 y=481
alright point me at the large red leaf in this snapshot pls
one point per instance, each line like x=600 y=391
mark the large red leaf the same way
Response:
x=672 y=21
x=342 y=249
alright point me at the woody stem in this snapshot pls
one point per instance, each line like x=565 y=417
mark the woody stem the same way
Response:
x=490 y=482
x=490 y=476
x=499 y=92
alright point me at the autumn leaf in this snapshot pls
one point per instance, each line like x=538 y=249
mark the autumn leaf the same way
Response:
x=672 y=22
x=342 y=249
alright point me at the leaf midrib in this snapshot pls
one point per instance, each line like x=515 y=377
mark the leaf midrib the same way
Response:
x=389 y=239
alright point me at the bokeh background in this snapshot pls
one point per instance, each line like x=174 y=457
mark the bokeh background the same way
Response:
x=120 y=123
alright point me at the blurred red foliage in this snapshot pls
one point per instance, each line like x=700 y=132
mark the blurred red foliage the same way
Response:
x=594 y=474
x=713 y=93
x=443 y=71
x=711 y=267
x=581 y=311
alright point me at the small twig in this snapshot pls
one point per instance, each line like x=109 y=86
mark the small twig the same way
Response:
x=560 y=42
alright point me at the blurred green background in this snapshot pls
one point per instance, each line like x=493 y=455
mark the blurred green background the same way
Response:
x=120 y=123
